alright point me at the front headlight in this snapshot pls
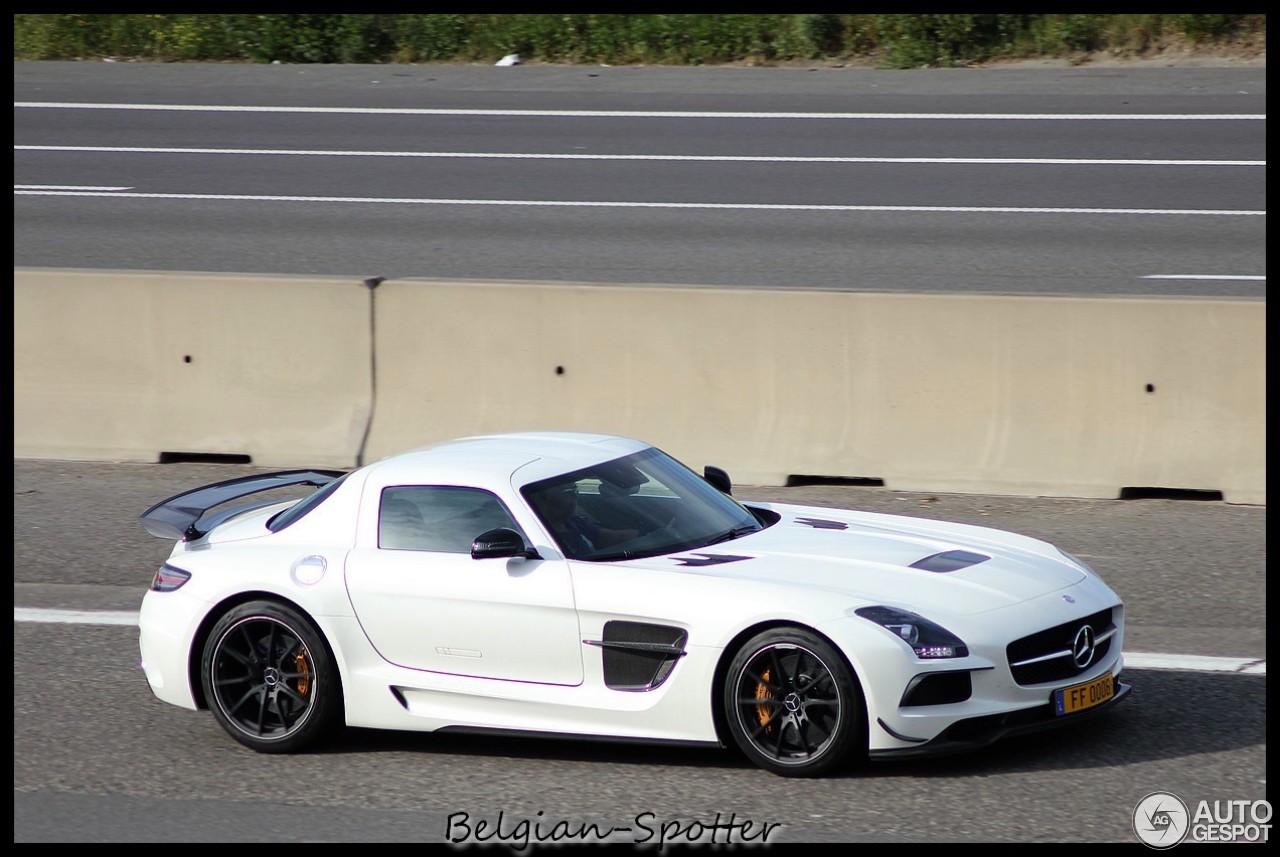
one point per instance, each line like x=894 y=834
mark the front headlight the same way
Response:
x=928 y=640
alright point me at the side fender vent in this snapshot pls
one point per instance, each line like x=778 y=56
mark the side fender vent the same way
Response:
x=639 y=656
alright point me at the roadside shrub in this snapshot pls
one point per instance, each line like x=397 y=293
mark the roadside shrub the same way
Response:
x=900 y=41
x=911 y=41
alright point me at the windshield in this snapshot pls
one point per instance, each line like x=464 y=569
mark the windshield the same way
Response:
x=645 y=504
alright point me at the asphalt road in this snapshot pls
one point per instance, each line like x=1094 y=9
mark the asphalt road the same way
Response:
x=98 y=759
x=1064 y=181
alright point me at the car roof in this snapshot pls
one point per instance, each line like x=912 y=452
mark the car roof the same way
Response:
x=493 y=459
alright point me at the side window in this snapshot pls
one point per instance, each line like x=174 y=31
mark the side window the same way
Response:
x=438 y=517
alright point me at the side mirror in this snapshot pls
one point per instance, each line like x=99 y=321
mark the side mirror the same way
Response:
x=501 y=543
x=718 y=479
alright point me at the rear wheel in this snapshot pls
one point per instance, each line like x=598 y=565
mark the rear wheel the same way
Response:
x=792 y=704
x=269 y=679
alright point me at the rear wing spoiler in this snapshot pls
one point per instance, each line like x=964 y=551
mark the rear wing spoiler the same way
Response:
x=182 y=516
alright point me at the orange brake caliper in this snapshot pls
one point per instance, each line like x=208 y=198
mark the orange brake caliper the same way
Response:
x=763 y=712
x=304 y=671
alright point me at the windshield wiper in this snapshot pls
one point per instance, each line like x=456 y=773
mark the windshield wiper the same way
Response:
x=735 y=533
x=612 y=557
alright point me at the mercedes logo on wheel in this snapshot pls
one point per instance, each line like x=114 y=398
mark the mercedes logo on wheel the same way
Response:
x=1082 y=649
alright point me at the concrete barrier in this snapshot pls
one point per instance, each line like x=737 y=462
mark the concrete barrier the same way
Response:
x=127 y=365
x=1052 y=396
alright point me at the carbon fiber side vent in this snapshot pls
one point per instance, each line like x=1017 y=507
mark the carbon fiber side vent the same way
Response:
x=639 y=656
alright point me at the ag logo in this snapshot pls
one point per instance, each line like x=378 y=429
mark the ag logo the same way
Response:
x=1161 y=820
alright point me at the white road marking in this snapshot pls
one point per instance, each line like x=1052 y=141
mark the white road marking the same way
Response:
x=1203 y=277
x=75 y=617
x=726 y=206
x=63 y=187
x=1132 y=660
x=1195 y=663
x=639 y=114
x=535 y=156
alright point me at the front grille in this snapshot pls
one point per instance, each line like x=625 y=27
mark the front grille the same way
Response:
x=1046 y=656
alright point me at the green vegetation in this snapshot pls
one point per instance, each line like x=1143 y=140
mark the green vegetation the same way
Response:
x=890 y=41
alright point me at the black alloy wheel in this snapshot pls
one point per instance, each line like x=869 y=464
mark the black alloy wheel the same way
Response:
x=792 y=703
x=269 y=679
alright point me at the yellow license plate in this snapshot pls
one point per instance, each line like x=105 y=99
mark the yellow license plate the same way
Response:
x=1078 y=697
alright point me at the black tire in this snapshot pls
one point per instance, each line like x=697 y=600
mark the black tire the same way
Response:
x=269 y=678
x=793 y=705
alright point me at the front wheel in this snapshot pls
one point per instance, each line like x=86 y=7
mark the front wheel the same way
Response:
x=792 y=704
x=269 y=679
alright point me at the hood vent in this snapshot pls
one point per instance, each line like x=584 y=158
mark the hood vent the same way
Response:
x=949 y=561
x=820 y=524
x=708 y=559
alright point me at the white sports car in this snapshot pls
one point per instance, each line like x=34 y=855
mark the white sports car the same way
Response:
x=592 y=586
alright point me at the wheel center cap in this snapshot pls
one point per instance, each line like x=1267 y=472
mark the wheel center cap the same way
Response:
x=271 y=676
x=792 y=702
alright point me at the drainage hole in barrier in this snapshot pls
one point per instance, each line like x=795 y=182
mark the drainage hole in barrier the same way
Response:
x=203 y=458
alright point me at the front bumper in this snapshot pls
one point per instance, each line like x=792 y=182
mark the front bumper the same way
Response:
x=975 y=732
x=909 y=718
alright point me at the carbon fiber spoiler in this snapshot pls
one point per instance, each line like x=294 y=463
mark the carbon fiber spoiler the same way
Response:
x=180 y=516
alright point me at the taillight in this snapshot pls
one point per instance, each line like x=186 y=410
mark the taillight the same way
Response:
x=169 y=578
